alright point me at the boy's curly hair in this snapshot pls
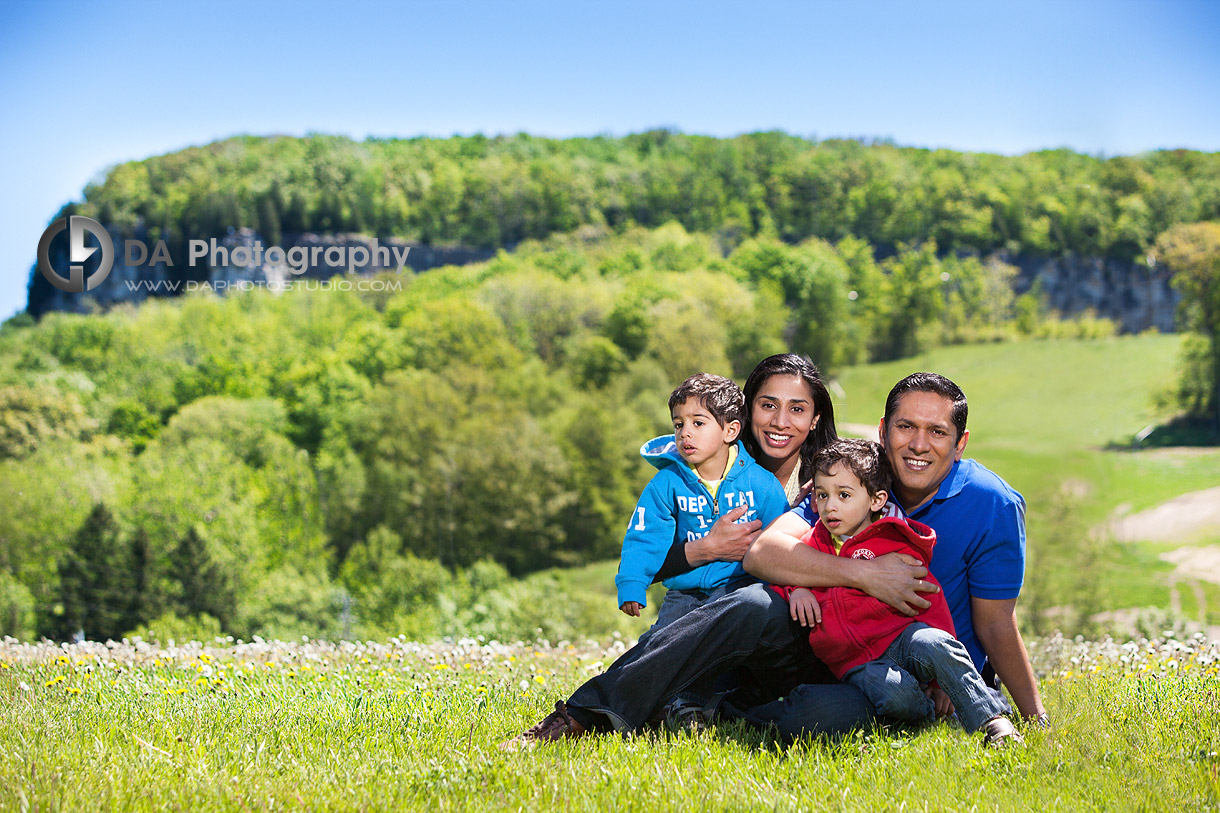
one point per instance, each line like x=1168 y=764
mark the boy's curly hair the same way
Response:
x=718 y=395
x=865 y=458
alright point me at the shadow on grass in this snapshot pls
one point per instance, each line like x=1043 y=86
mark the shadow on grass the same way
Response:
x=1179 y=432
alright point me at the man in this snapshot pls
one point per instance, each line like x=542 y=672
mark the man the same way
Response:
x=979 y=560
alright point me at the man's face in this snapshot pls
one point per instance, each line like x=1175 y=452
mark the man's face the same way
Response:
x=921 y=444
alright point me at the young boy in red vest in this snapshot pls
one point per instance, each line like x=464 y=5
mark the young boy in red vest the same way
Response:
x=866 y=642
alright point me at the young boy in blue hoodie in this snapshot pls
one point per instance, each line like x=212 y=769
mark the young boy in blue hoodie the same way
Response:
x=704 y=472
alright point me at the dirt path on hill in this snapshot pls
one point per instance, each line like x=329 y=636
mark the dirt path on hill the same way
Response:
x=1189 y=516
x=868 y=431
x=1184 y=517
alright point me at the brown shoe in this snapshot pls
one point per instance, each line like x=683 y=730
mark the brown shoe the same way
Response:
x=555 y=726
x=999 y=732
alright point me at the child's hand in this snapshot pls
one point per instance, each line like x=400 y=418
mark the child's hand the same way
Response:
x=632 y=608
x=803 y=607
x=944 y=706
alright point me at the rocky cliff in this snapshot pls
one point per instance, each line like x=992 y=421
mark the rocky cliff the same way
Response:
x=1136 y=296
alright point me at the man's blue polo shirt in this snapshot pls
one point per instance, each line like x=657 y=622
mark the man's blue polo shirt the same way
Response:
x=980 y=542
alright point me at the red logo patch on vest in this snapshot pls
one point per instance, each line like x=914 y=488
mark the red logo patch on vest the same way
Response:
x=862 y=553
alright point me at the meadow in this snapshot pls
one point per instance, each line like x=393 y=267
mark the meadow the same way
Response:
x=404 y=725
x=397 y=725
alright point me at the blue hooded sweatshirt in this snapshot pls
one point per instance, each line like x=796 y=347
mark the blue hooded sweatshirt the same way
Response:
x=676 y=506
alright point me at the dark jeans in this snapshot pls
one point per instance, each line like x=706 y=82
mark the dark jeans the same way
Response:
x=750 y=628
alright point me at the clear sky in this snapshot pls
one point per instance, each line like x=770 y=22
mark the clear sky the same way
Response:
x=87 y=85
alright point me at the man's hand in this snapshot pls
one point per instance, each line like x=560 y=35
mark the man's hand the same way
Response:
x=803 y=607
x=728 y=540
x=898 y=579
x=632 y=608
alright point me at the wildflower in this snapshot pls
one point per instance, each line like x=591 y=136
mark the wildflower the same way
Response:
x=539 y=679
x=441 y=666
x=64 y=659
x=53 y=681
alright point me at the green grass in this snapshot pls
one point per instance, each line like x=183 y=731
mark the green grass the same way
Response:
x=400 y=726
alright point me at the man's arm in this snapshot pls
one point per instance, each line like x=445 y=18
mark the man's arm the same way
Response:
x=780 y=557
x=995 y=624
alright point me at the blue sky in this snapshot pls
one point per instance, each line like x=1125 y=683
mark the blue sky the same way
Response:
x=84 y=86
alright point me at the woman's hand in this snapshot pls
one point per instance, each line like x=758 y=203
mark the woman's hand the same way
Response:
x=728 y=540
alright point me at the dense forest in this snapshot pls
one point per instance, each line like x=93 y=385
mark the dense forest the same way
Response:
x=497 y=192
x=276 y=463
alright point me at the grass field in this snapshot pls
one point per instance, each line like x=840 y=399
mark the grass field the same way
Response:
x=400 y=726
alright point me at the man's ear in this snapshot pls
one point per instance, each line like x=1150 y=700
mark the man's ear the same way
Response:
x=961 y=445
x=731 y=430
x=879 y=501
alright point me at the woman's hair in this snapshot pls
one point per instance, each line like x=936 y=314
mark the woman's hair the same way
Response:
x=800 y=366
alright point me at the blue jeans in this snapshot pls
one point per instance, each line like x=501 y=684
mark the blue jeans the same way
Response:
x=923 y=653
x=748 y=627
x=678 y=603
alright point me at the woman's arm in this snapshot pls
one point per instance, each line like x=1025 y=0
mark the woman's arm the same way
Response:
x=780 y=557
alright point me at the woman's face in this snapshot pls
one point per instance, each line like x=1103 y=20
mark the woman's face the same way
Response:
x=781 y=417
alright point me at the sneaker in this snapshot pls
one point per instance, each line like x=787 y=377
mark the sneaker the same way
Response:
x=999 y=732
x=555 y=726
x=680 y=714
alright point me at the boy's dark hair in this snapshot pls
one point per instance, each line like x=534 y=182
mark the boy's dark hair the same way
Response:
x=934 y=383
x=865 y=458
x=717 y=394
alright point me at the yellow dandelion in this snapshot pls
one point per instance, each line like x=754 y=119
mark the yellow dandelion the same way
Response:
x=427 y=694
x=201 y=681
x=53 y=681
x=205 y=657
x=467 y=666
x=400 y=692
x=365 y=660
x=72 y=690
x=539 y=679
x=481 y=689
x=441 y=666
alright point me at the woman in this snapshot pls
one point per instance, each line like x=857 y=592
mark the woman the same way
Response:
x=789 y=418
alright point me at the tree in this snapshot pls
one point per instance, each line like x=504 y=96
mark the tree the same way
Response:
x=1193 y=252
x=204 y=586
x=97 y=580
